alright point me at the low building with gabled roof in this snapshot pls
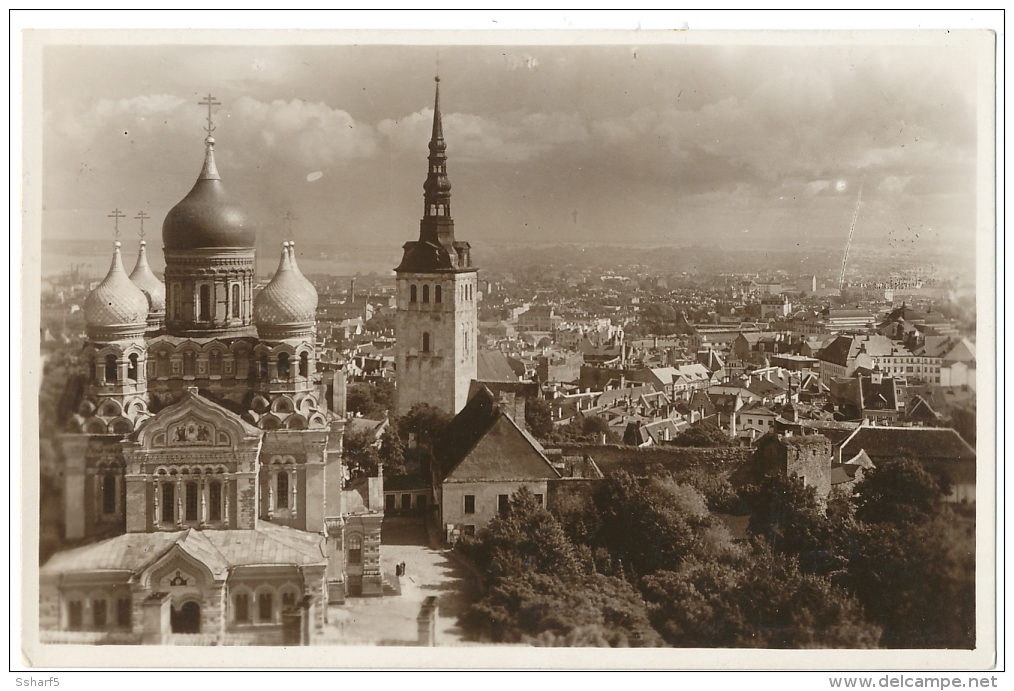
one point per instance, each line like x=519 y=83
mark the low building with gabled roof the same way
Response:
x=482 y=458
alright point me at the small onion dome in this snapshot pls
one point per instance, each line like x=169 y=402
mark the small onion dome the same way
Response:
x=117 y=308
x=149 y=284
x=206 y=217
x=288 y=304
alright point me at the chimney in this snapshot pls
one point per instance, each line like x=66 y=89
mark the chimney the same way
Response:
x=352 y=290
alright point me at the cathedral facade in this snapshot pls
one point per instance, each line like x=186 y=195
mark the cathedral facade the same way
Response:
x=203 y=468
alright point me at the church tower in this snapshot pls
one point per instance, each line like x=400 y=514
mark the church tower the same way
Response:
x=436 y=317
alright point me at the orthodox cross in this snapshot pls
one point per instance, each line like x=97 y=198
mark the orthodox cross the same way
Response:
x=289 y=218
x=209 y=101
x=116 y=216
x=140 y=217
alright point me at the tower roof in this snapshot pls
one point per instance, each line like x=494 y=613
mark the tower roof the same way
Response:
x=149 y=284
x=206 y=218
x=436 y=250
x=288 y=304
x=117 y=308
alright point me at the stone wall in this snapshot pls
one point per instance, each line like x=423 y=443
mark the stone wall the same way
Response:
x=614 y=458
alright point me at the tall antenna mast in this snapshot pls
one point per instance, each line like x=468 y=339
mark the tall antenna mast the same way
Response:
x=852 y=230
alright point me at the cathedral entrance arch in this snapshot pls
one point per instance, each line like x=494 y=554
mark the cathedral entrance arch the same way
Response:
x=187 y=619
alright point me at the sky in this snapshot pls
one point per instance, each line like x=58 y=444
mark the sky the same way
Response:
x=648 y=145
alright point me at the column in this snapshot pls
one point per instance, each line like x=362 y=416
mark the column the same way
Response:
x=204 y=502
x=293 y=510
x=118 y=500
x=272 y=479
x=179 y=503
x=96 y=497
x=158 y=490
x=226 y=489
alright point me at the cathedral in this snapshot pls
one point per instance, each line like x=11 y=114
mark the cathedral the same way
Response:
x=203 y=472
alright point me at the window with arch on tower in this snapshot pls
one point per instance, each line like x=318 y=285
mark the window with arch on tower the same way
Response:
x=438 y=294
x=263 y=366
x=235 y=301
x=162 y=364
x=355 y=549
x=191 y=501
x=426 y=293
x=304 y=364
x=132 y=373
x=282 y=490
x=110 y=367
x=283 y=366
x=215 y=501
x=205 y=304
x=189 y=364
x=109 y=495
x=426 y=342
x=168 y=502
x=412 y=293
x=215 y=363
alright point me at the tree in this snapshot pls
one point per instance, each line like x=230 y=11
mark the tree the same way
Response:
x=703 y=434
x=360 y=453
x=787 y=515
x=372 y=401
x=543 y=588
x=425 y=422
x=755 y=599
x=539 y=417
x=898 y=491
x=652 y=525
x=392 y=453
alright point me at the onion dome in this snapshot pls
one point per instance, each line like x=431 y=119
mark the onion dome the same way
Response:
x=206 y=217
x=117 y=308
x=287 y=306
x=149 y=284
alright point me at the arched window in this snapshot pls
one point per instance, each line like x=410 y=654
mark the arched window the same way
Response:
x=426 y=342
x=168 y=502
x=176 y=303
x=235 y=300
x=162 y=364
x=215 y=362
x=264 y=366
x=109 y=495
x=132 y=367
x=412 y=293
x=241 y=608
x=265 y=607
x=355 y=549
x=304 y=364
x=438 y=294
x=191 y=501
x=189 y=364
x=91 y=369
x=205 y=306
x=426 y=293
x=215 y=501
x=283 y=365
x=110 y=367
x=282 y=497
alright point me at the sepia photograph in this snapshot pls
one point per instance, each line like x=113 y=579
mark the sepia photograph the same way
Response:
x=467 y=347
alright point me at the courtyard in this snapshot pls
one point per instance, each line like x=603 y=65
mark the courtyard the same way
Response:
x=391 y=620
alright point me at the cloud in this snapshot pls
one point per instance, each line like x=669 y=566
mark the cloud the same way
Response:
x=894 y=183
x=512 y=138
x=315 y=134
x=817 y=186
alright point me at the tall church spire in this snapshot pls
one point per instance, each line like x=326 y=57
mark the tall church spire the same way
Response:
x=437 y=225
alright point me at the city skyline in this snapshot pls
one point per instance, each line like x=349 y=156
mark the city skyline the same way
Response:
x=646 y=145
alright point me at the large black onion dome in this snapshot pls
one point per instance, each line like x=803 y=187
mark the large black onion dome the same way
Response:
x=206 y=217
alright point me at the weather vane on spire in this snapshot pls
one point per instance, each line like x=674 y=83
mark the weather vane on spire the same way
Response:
x=140 y=217
x=209 y=101
x=116 y=215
